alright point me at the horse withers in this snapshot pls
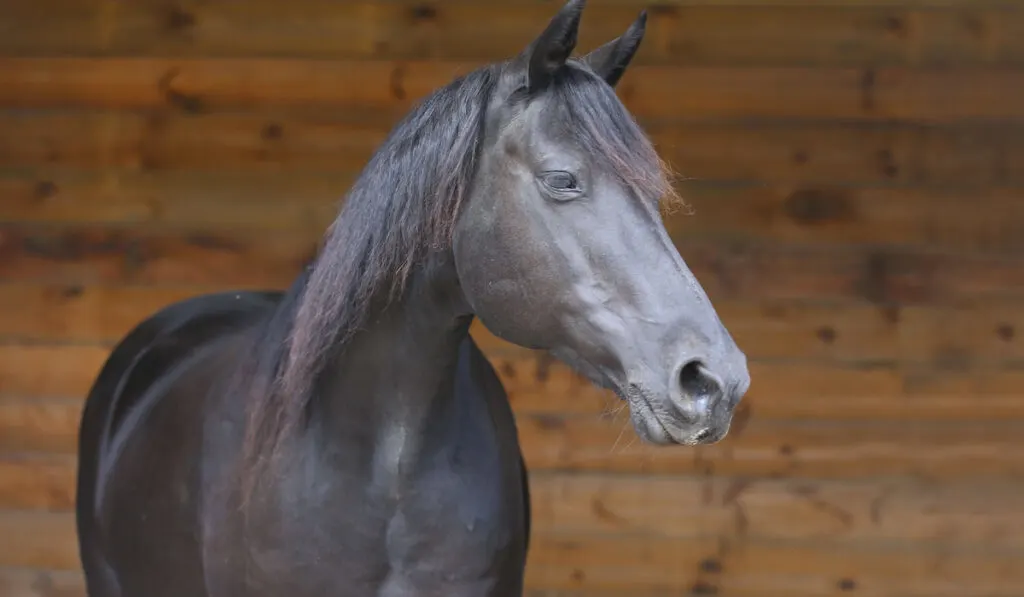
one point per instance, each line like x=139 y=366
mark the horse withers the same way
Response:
x=346 y=436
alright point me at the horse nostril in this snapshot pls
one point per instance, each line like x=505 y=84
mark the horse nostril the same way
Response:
x=702 y=435
x=695 y=381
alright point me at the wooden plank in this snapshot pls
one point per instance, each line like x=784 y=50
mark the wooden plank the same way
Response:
x=805 y=3
x=37 y=482
x=883 y=275
x=159 y=140
x=39 y=425
x=806 y=213
x=94 y=315
x=101 y=315
x=27 y=582
x=266 y=199
x=984 y=333
x=717 y=566
x=780 y=391
x=960 y=515
x=49 y=370
x=756 y=447
x=197 y=85
x=895 y=3
x=760 y=447
x=838 y=153
x=979 y=333
x=728 y=269
x=828 y=214
x=972 y=515
x=295 y=144
x=802 y=391
x=81 y=255
x=781 y=33
x=45 y=540
x=646 y=563
x=808 y=209
x=387 y=88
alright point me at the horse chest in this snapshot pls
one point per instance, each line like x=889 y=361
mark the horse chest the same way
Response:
x=457 y=536
x=457 y=511
x=451 y=525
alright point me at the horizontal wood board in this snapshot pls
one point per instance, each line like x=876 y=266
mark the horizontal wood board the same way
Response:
x=852 y=172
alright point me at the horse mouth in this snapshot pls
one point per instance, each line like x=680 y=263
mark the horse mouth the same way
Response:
x=653 y=429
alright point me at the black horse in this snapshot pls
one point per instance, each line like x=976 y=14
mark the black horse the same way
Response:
x=347 y=437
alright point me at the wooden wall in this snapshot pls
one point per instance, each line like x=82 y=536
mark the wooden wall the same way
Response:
x=856 y=175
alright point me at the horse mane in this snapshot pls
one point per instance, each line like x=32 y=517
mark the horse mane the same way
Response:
x=403 y=206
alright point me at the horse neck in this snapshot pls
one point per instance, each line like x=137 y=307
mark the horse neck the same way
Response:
x=395 y=379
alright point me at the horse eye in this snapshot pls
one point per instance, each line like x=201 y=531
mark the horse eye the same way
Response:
x=563 y=181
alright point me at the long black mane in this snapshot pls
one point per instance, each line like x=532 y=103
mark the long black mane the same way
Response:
x=404 y=205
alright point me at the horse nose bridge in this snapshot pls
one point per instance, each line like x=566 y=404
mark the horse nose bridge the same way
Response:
x=697 y=334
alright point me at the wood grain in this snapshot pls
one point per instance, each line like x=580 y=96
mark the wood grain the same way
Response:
x=716 y=565
x=792 y=330
x=686 y=33
x=39 y=425
x=594 y=562
x=804 y=391
x=756 y=447
x=77 y=255
x=37 y=482
x=976 y=220
x=156 y=140
x=296 y=143
x=943 y=516
x=969 y=220
x=262 y=199
x=759 y=448
x=91 y=315
x=27 y=582
x=46 y=540
x=387 y=88
x=974 y=514
x=982 y=333
x=727 y=268
x=49 y=370
x=854 y=169
x=963 y=154
x=854 y=172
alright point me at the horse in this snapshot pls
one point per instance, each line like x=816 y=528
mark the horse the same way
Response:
x=346 y=435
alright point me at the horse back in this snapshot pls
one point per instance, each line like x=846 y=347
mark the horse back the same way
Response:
x=157 y=345
x=146 y=357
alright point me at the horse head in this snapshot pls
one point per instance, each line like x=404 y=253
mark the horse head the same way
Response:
x=560 y=245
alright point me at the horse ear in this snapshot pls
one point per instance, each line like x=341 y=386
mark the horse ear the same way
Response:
x=546 y=54
x=610 y=60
